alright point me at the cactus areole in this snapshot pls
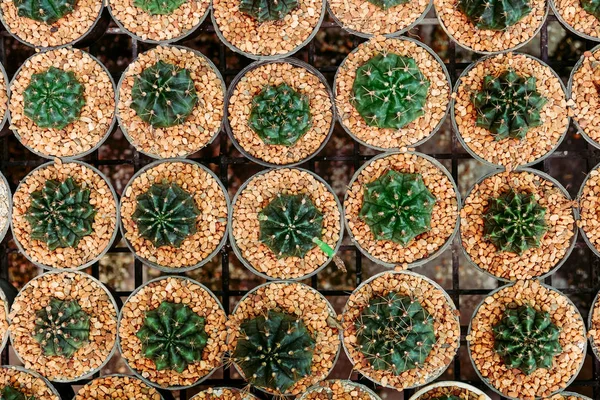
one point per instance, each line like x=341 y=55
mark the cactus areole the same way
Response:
x=159 y=7
x=48 y=11
x=10 y=393
x=268 y=10
x=591 y=7
x=495 y=15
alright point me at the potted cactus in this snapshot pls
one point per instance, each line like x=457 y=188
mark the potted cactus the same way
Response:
x=64 y=215
x=18 y=383
x=224 y=393
x=279 y=113
x=531 y=246
x=584 y=90
x=177 y=124
x=64 y=325
x=5 y=206
x=510 y=110
x=527 y=340
x=185 y=233
x=582 y=17
x=448 y=390
x=117 y=387
x=283 y=311
x=594 y=326
x=338 y=389
x=62 y=103
x=157 y=311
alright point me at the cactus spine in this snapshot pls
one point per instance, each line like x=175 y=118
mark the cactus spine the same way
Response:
x=159 y=7
x=495 y=15
x=47 y=11
x=268 y=10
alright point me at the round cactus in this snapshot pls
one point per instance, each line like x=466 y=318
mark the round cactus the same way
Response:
x=397 y=207
x=166 y=215
x=268 y=10
x=280 y=115
x=164 y=95
x=508 y=105
x=527 y=339
x=173 y=336
x=159 y=7
x=10 y=393
x=274 y=351
x=387 y=4
x=495 y=15
x=53 y=99
x=61 y=328
x=514 y=222
x=395 y=333
x=390 y=91
x=48 y=11
x=60 y=214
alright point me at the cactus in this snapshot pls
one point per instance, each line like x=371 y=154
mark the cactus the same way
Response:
x=514 y=222
x=280 y=115
x=166 y=215
x=387 y=4
x=173 y=336
x=274 y=351
x=159 y=7
x=61 y=328
x=60 y=214
x=395 y=333
x=390 y=91
x=53 y=99
x=164 y=95
x=47 y=11
x=268 y=10
x=397 y=207
x=508 y=105
x=591 y=7
x=495 y=15
x=10 y=393
x=526 y=339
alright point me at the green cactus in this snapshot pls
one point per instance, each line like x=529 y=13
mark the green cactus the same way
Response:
x=61 y=328
x=387 y=4
x=397 y=207
x=514 y=222
x=159 y=7
x=495 y=15
x=508 y=105
x=274 y=351
x=268 y=10
x=53 y=99
x=164 y=95
x=47 y=11
x=395 y=333
x=166 y=214
x=173 y=336
x=60 y=214
x=390 y=91
x=10 y=393
x=526 y=339
x=591 y=7
x=280 y=115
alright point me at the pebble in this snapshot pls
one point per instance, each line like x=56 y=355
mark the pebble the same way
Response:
x=114 y=387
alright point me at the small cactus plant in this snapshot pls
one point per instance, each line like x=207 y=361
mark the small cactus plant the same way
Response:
x=10 y=393
x=274 y=351
x=387 y=4
x=395 y=333
x=53 y=99
x=159 y=7
x=495 y=15
x=527 y=339
x=280 y=115
x=268 y=10
x=508 y=105
x=164 y=95
x=166 y=214
x=61 y=328
x=60 y=214
x=591 y=7
x=390 y=91
x=514 y=222
x=47 y=11
x=397 y=207
x=173 y=336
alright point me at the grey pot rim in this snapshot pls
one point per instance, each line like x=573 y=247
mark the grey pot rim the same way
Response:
x=444 y=384
x=486 y=381
x=579 y=396
x=574 y=212
x=118 y=375
x=433 y=131
x=442 y=248
x=248 y=396
x=595 y=346
x=259 y=63
x=115 y=230
x=459 y=136
x=568 y=26
x=449 y=302
x=118 y=99
x=578 y=200
x=35 y=374
x=133 y=294
x=287 y=282
x=157 y=266
x=236 y=249
x=360 y=386
x=3 y=231
x=100 y=142
x=4 y=118
x=114 y=304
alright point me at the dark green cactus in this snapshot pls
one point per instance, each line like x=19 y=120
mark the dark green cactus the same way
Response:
x=527 y=339
x=592 y=7
x=280 y=115
x=159 y=7
x=395 y=333
x=397 y=207
x=61 y=328
x=53 y=99
x=60 y=214
x=387 y=4
x=267 y=10
x=508 y=105
x=274 y=351
x=166 y=215
x=514 y=222
x=10 y=393
x=48 y=11
x=390 y=91
x=164 y=95
x=173 y=336
x=495 y=15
